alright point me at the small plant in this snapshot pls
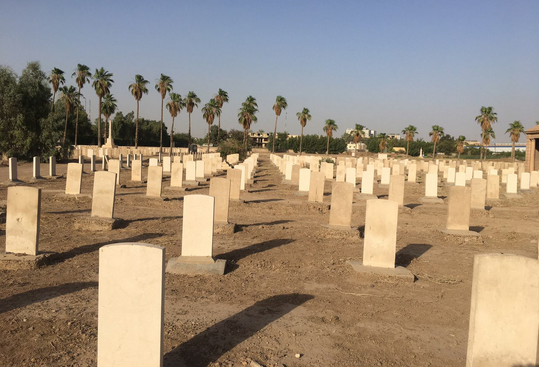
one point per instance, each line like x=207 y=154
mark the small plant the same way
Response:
x=232 y=146
x=327 y=160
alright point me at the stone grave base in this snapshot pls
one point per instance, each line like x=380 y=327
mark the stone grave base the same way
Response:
x=12 y=183
x=36 y=179
x=366 y=196
x=460 y=233
x=511 y=196
x=97 y=223
x=383 y=186
x=448 y=184
x=9 y=261
x=302 y=193
x=404 y=209
x=174 y=188
x=201 y=179
x=224 y=228
x=286 y=182
x=430 y=200
x=54 y=177
x=67 y=196
x=411 y=183
x=398 y=272
x=203 y=265
x=191 y=183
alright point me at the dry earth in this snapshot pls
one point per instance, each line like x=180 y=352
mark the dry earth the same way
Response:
x=287 y=289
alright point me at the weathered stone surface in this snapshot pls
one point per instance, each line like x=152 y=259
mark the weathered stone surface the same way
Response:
x=74 y=179
x=340 y=215
x=458 y=208
x=396 y=189
x=220 y=190
x=197 y=232
x=154 y=186
x=234 y=175
x=104 y=194
x=22 y=220
x=380 y=233
x=479 y=193
x=131 y=305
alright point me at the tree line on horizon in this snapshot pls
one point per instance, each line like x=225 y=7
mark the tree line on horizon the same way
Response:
x=29 y=127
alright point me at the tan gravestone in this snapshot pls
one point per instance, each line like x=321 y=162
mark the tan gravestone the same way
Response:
x=136 y=170
x=131 y=305
x=154 y=186
x=190 y=171
x=23 y=211
x=103 y=194
x=304 y=179
x=74 y=179
x=329 y=171
x=316 y=187
x=412 y=172
x=479 y=193
x=351 y=175
x=114 y=167
x=234 y=175
x=13 y=169
x=512 y=183
x=503 y=316
x=176 y=177
x=493 y=187
x=197 y=232
x=340 y=215
x=341 y=173
x=386 y=174
x=367 y=182
x=460 y=179
x=396 y=189
x=220 y=190
x=380 y=233
x=295 y=174
x=458 y=208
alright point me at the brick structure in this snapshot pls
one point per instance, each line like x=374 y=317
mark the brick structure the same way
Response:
x=532 y=149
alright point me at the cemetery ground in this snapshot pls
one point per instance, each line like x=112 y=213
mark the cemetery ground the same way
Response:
x=288 y=297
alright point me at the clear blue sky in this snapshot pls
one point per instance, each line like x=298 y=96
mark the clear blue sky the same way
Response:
x=384 y=64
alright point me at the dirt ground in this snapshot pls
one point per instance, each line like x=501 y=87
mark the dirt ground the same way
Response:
x=287 y=290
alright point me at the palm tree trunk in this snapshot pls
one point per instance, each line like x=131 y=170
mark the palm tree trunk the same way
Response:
x=65 y=128
x=161 y=137
x=407 y=146
x=434 y=150
x=459 y=156
x=53 y=98
x=208 y=151
x=327 y=147
x=99 y=125
x=189 y=137
x=77 y=120
x=136 y=128
x=513 y=151
x=171 y=137
x=245 y=138
x=482 y=152
x=219 y=130
x=274 y=134
x=301 y=140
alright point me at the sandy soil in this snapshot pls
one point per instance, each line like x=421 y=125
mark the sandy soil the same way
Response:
x=287 y=289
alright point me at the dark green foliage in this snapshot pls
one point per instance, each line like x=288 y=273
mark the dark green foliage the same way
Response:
x=213 y=136
x=181 y=140
x=232 y=146
x=312 y=144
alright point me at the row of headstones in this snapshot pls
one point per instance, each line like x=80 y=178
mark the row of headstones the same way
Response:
x=503 y=316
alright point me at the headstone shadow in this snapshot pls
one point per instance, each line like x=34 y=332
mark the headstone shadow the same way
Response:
x=235 y=255
x=262 y=201
x=61 y=257
x=217 y=340
x=477 y=229
x=42 y=294
x=412 y=206
x=410 y=252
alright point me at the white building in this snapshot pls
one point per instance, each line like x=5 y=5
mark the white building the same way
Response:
x=366 y=132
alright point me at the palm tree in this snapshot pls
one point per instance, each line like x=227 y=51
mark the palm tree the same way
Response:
x=329 y=128
x=138 y=88
x=247 y=115
x=56 y=79
x=174 y=106
x=220 y=98
x=69 y=95
x=460 y=145
x=488 y=134
x=303 y=117
x=358 y=134
x=409 y=132
x=436 y=133
x=191 y=101
x=83 y=76
x=515 y=129
x=486 y=119
x=209 y=111
x=278 y=107
x=163 y=85
x=383 y=141
x=102 y=83
x=109 y=107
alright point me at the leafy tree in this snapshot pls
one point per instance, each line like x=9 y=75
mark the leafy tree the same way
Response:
x=191 y=101
x=247 y=115
x=487 y=135
x=71 y=98
x=164 y=85
x=209 y=111
x=436 y=133
x=279 y=105
x=303 y=117
x=220 y=98
x=123 y=128
x=486 y=119
x=108 y=107
x=138 y=89
x=56 y=78
x=102 y=83
x=174 y=106
x=460 y=145
x=83 y=76
x=409 y=132
x=515 y=129
x=357 y=133
x=329 y=128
